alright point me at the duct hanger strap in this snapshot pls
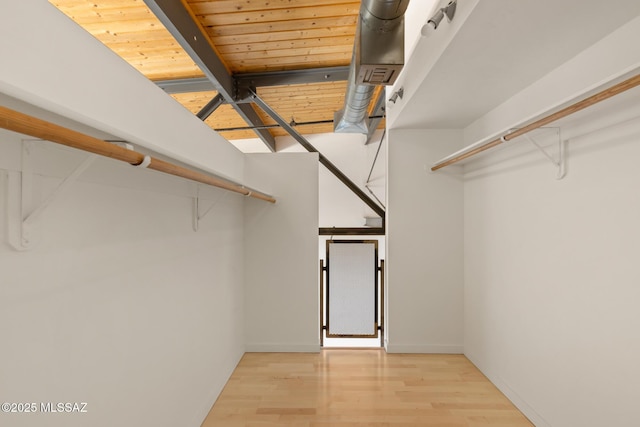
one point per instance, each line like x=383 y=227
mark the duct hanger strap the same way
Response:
x=383 y=16
x=383 y=10
x=380 y=25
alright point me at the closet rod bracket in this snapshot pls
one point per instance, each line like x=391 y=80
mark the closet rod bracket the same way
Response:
x=23 y=213
x=197 y=216
x=560 y=162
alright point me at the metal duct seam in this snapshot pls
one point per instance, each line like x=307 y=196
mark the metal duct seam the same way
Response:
x=384 y=14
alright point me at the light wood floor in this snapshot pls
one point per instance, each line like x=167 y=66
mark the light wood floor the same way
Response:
x=360 y=388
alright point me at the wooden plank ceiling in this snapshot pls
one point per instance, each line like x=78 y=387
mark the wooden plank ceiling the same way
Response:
x=249 y=36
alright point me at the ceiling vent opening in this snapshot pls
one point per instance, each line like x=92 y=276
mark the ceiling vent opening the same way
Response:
x=376 y=75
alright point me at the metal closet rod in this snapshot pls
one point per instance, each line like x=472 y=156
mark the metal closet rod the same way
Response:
x=580 y=105
x=37 y=128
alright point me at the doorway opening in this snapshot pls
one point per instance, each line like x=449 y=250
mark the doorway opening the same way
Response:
x=351 y=295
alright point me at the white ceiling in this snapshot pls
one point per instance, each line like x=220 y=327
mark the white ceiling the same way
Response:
x=503 y=47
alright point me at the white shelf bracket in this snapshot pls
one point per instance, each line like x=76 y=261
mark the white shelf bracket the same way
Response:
x=560 y=163
x=22 y=215
x=197 y=216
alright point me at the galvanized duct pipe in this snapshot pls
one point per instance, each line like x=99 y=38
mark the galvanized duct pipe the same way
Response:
x=380 y=33
x=353 y=117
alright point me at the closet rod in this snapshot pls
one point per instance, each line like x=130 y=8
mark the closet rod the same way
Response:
x=37 y=128
x=580 y=105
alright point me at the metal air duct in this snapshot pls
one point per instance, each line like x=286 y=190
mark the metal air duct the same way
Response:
x=378 y=57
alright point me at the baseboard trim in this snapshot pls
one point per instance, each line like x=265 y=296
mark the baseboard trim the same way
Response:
x=282 y=348
x=201 y=415
x=424 y=349
x=511 y=394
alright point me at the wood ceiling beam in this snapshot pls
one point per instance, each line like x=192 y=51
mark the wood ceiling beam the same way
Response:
x=183 y=26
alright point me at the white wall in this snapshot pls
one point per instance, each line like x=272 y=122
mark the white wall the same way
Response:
x=121 y=304
x=281 y=254
x=613 y=57
x=425 y=54
x=339 y=207
x=550 y=266
x=424 y=244
x=551 y=272
x=62 y=68
x=418 y=12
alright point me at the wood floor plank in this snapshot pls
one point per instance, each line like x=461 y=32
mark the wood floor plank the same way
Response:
x=360 y=388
